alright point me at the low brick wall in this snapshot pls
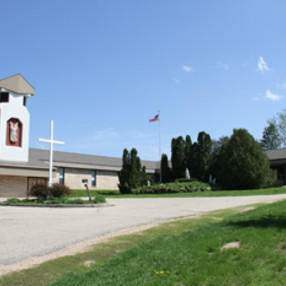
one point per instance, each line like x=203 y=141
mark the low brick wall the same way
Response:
x=12 y=186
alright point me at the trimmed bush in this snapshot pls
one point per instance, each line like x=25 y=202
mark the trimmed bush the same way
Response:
x=59 y=190
x=193 y=186
x=39 y=191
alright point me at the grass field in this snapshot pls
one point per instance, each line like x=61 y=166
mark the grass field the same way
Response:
x=116 y=194
x=187 y=252
x=194 y=257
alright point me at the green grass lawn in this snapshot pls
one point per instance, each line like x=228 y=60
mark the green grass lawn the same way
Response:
x=186 y=252
x=194 y=257
x=116 y=194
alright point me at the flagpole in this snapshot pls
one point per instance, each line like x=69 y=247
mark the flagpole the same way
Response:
x=160 y=147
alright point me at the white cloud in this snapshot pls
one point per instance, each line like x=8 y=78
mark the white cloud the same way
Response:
x=273 y=96
x=223 y=66
x=281 y=85
x=175 y=80
x=262 y=65
x=187 y=68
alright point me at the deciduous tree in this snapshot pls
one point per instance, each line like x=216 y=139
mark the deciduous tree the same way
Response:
x=271 y=138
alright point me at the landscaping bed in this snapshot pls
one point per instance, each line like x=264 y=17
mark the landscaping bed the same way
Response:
x=55 y=202
x=210 y=193
x=177 y=187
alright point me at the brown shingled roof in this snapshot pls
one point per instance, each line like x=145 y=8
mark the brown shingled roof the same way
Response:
x=17 y=84
x=84 y=161
x=279 y=154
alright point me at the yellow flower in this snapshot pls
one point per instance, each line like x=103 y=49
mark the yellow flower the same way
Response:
x=161 y=272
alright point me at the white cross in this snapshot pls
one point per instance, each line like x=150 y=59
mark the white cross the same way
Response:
x=52 y=142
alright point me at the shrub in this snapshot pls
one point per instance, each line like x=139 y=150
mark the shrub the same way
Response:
x=42 y=191
x=12 y=201
x=185 y=180
x=243 y=163
x=59 y=190
x=39 y=191
x=132 y=174
x=64 y=200
x=173 y=188
x=77 y=201
x=98 y=199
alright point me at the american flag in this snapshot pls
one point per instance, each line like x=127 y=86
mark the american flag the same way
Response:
x=155 y=118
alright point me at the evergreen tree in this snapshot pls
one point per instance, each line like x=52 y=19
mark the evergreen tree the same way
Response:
x=178 y=158
x=144 y=178
x=216 y=158
x=202 y=153
x=281 y=124
x=165 y=169
x=132 y=174
x=188 y=152
x=123 y=175
x=243 y=163
x=194 y=161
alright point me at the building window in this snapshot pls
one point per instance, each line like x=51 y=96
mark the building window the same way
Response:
x=25 y=101
x=93 y=178
x=4 y=97
x=61 y=176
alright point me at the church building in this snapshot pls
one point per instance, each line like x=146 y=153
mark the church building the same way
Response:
x=21 y=167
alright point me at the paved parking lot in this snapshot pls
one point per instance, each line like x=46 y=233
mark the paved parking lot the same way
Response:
x=28 y=232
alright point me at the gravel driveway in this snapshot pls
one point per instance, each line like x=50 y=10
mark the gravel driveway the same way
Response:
x=29 y=232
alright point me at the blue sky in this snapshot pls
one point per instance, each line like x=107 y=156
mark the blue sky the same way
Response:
x=103 y=68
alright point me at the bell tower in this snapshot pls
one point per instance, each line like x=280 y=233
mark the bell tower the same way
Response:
x=14 y=118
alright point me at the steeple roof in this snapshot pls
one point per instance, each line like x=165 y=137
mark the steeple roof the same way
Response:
x=17 y=84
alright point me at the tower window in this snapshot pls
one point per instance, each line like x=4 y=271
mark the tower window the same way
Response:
x=25 y=101
x=4 y=97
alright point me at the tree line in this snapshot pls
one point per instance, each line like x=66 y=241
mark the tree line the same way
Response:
x=274 y=134
x=235 y=162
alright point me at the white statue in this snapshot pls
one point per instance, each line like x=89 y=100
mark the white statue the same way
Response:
x=187 y=174
x=13 y=132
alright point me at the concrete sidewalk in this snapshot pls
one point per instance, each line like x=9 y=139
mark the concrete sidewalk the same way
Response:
x=33 y=232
